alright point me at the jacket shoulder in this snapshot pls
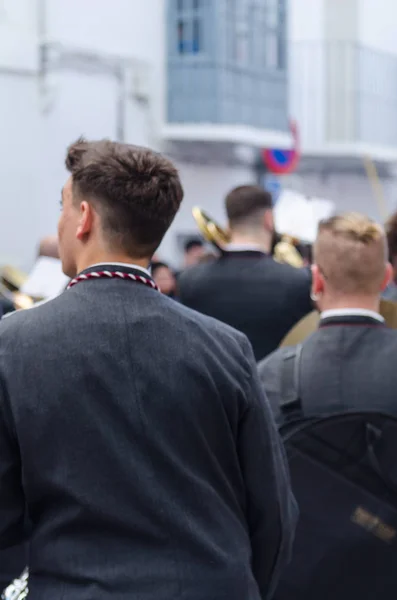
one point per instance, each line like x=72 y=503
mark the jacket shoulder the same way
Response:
x=211 y=326
x=271 y=365
x=293 y=275
x=220 y=343
x=34 y=318
x=193 y=273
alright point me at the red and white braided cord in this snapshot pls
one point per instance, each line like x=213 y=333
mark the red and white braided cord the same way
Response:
x=113 y=275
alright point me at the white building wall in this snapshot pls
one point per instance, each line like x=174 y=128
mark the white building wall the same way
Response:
x=41 y=115
x=343 y=58
x=133 y=29
x=18 y=34
x=306 y=20
x=378 y=25
x=306 y=34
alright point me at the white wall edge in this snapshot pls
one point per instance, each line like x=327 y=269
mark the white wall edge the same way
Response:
x=237 y=134
x=355 y=150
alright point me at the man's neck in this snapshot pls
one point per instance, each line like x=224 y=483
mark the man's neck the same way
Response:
x=109 y=258
x=358 y=303
x=262 y=242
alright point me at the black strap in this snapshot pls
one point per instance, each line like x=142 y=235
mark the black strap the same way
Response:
x=373 y=436
x=290 y=401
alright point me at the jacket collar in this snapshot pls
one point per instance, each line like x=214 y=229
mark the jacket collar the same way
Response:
x=351 y=316
x=244 y=253
x=117 y=266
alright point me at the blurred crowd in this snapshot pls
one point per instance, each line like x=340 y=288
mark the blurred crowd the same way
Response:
x=195 y=251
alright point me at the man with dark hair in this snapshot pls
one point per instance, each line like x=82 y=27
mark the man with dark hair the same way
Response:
x=164 y=278
x=245 y=287
x=133 y=432
x=193 y=252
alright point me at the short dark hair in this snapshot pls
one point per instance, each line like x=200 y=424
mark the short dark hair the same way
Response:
x=246 y=201
x=159 y=265
x=391 y=233
x=193 y=243
x=136 y=191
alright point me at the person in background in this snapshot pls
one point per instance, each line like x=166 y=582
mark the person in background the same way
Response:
x=194 y=249
x=49 y=247
x=164 y=277
x=390 y=292
x=245 y=287
x=207 y=257
x=347 y=363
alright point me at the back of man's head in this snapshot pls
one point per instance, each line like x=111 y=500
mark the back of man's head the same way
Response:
x=135 y=191
x=350 y=254
x=193 y=244
x=246 y=205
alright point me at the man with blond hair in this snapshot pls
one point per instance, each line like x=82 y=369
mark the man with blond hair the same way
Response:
x=346 y=364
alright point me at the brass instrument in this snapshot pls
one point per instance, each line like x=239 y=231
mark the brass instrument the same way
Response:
x=309 y=323
x=284 y=251
x=210 y=230
x=11 y=280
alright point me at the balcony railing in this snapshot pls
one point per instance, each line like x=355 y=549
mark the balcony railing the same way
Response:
x=343 y=93
x=227 y=63
x=201 y=91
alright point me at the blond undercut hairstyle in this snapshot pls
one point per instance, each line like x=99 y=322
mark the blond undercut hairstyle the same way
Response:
x=351 y=253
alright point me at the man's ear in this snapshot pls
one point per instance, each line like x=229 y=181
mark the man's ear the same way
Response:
x=268 y=220
x=388 y=276
x=317 y=281
x=86 y=220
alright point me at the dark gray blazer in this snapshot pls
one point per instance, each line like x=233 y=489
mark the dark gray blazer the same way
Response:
x=137 y=433
x=347 y=364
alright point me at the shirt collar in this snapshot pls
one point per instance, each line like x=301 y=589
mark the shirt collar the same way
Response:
x=243 y=248
x=120 y=264
x=351 y=312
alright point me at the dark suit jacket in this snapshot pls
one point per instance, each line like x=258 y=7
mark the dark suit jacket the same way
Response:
x=347 y=364
x=251 y=292
x=6 y=306
x=12 y=563
x=138 y=435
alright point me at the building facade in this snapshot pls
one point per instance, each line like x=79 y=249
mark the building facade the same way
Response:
x=203 y=81
x=227 y=96
x=343 y=90
x=67 y=69
x=208 y=82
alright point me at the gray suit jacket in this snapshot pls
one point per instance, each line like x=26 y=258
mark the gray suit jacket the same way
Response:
x=138 y=436
x=348 y=364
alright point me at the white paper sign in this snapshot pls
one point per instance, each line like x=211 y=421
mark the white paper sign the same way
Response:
x=46 y=279
x=299 y=216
